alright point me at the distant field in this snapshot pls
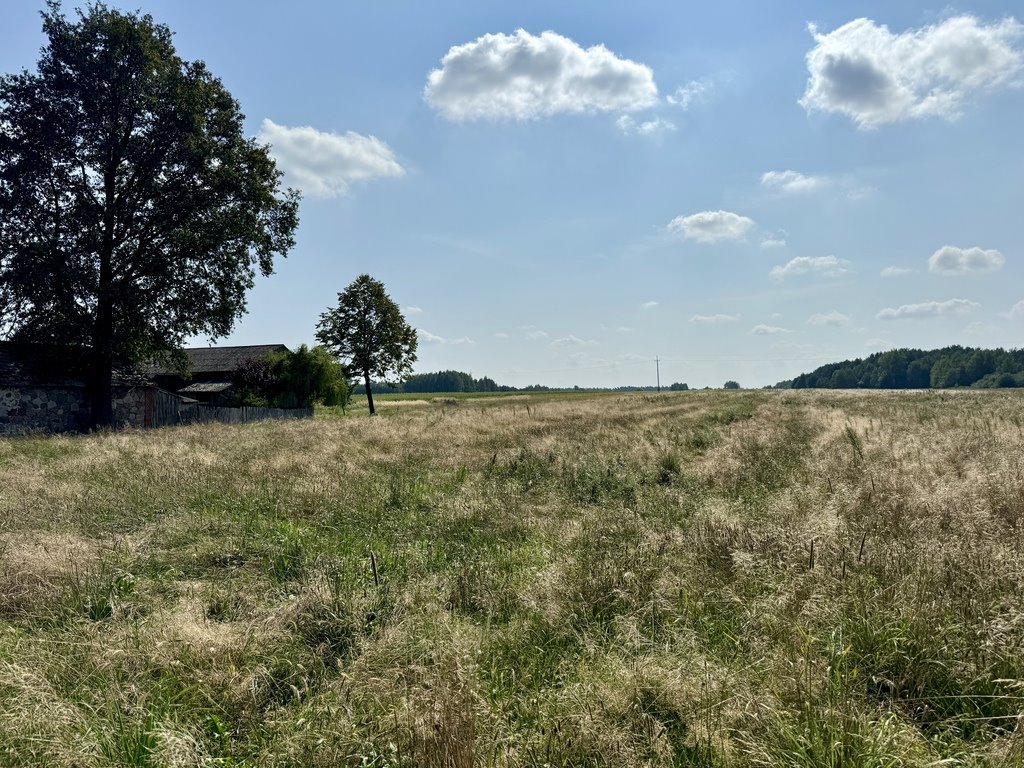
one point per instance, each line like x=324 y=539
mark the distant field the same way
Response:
x=812 y=578
x=360 y=400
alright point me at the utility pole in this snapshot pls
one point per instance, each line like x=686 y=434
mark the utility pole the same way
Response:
x=657 y=368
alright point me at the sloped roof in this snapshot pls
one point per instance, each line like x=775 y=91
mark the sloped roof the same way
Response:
x=207 y=360
x=208 y=387
x=24 y=365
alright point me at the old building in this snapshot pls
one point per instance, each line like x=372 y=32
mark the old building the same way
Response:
x=210 y=371
x=41 y=389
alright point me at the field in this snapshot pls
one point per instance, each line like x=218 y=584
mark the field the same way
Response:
x=695 y=578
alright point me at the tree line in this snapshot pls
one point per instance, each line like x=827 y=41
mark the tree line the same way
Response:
x=953 y=366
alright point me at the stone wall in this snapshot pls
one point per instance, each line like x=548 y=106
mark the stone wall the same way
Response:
x=64 y=409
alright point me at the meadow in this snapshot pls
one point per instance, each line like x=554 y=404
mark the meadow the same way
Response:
x=804 y=578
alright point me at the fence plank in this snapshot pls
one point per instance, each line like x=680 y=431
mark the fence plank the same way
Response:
x=168 y=410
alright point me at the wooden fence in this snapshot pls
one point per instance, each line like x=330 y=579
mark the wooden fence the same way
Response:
x=166 y=409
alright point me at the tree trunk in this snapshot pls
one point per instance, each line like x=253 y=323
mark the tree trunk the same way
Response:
x=101 y=369
x=369 y=392
x=101 y=414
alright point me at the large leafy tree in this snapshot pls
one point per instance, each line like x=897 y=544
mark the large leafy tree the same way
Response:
x=133 y=210
x=368 y=332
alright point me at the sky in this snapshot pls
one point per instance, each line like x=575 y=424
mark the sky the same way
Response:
x=562 y=193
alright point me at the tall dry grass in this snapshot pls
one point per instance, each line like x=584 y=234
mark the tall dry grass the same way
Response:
x=697 y=578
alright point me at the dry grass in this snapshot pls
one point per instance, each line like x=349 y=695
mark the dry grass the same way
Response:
x=697 y=578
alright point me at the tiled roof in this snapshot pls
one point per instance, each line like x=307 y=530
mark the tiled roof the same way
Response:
x=206 y=360
x=213 y=387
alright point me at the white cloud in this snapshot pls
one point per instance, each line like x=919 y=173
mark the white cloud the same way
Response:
x=1016 y=311
x=791 y=181
x=768 y=330
x=500 y=335
x=631 y=127
x=719 y=318
x=775 y=239
x=879 y=344
x=649 y=305
x=324 y=164
x=949 y=260
x=896 y=271
x=572 y=341
x=623 y=329
x=429 y=338
x=711 y=226
x=873 y=76
x=834 y=319
x=524 y=77
x=412 y=310
x=685 y=96
x=826 y=266
x=536 y=335
x=929 y=309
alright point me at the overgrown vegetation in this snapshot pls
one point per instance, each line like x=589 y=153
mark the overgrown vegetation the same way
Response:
x=291 y=379
x=913 y=368
x=702 y=578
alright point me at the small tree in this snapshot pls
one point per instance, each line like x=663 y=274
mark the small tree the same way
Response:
x=369 y=334
x=731 y=385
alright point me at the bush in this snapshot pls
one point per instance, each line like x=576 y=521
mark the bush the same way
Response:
x=292 y=380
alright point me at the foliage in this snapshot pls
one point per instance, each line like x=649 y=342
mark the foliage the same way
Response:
x=367 y=331
x=133 y=211
x=441 y=381
x=731 y=385
x=291 y=380
x=679 y=387
x=953 y=366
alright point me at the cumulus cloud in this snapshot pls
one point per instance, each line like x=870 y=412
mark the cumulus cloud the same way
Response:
x=711 y=226
x=572 y=341
x=649 y=305
x=686 y=96
x=895 y=271
x=324 y=164
x=719 y=318
x=834 y=319
x=524 y=77
x=826 y=266
x=1016 y=311
x=950 y=260
x=864 y=71
x=929 y=309
x=791 y=182
x=631 y=127
x=536 y=335
x=429 y=338
x=768 y=330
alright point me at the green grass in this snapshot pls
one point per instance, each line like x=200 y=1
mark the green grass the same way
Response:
x=686 y=579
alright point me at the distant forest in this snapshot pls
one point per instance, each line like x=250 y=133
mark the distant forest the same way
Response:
x=458 y=381
x=914 y=368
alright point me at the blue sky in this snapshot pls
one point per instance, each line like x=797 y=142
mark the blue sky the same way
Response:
x=561 y=193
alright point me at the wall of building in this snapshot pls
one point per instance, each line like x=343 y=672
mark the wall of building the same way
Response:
x=64 y=409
